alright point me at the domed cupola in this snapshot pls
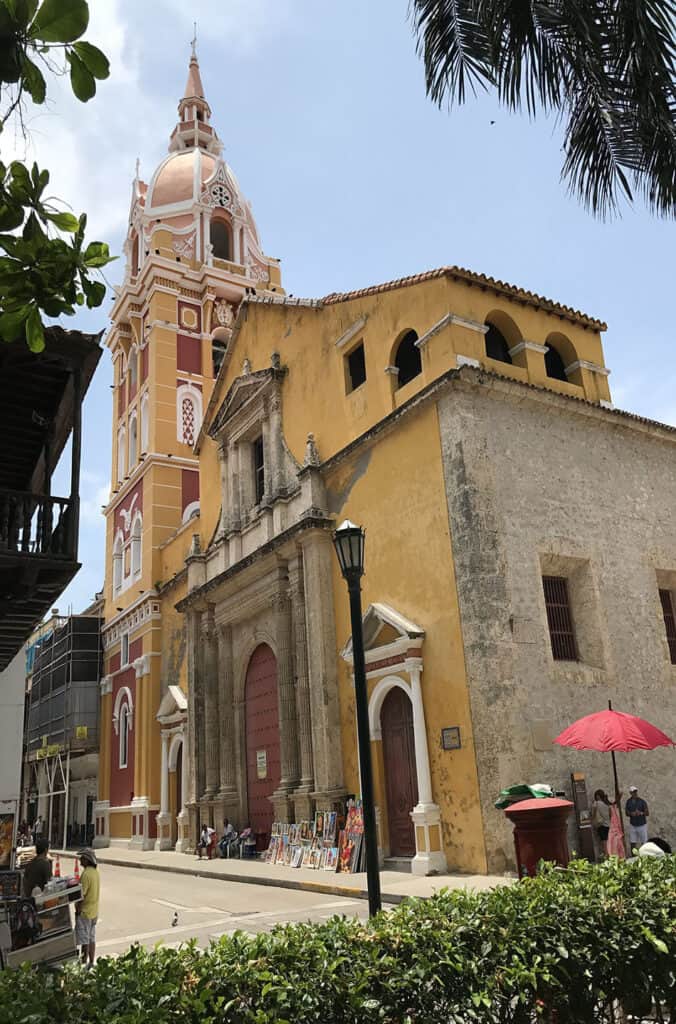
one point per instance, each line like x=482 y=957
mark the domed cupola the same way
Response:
x=194 y=212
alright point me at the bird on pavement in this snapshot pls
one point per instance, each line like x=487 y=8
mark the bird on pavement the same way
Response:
x=174 y=920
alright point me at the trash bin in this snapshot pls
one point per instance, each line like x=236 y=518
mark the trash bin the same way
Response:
x=540 y=833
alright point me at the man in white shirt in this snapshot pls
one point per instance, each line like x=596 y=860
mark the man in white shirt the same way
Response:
x=206 y=842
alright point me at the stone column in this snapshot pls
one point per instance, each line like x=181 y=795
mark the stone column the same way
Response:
x=195 y=745
x=429 y=857
x=163 y=841
x=302 y=797
x=210 y=705
x=322 y=668
x=287 y=706
x=225 y=497
x=227 y=792
x=233 y=486
x=164 y=780
x=275 y=444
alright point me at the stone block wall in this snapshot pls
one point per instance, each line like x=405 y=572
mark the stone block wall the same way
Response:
x=539 y=485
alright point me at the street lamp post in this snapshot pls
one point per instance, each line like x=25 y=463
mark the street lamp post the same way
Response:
x=348 y=541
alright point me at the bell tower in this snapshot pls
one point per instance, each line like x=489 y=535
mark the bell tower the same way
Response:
x=192 y=251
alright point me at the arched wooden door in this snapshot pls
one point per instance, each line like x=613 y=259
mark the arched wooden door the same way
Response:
x=263 y=769
x=401 y=783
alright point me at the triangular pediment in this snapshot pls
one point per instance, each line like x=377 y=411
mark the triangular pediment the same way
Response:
x=174 y=704
x=241 y=392
x=385 y=627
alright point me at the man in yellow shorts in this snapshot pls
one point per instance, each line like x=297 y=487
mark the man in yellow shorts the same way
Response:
x=87 y=909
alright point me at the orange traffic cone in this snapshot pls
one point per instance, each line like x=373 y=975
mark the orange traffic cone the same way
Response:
x=57 y=868
x=76 y=873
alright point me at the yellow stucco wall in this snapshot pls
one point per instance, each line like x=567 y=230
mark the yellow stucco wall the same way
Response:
x=314 y=391
x=396 y=492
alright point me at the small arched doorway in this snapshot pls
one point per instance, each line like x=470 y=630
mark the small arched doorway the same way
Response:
x=401 y=782
x=263 y=761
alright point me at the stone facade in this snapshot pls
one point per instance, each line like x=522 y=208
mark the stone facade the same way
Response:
x=538 y=484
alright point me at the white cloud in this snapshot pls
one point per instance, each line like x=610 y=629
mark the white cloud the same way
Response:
x=94 y=494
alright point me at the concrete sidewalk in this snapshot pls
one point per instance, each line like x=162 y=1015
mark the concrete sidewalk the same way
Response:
x=395 y=885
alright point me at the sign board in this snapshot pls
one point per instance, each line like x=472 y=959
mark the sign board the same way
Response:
x=261 y=764
x=450 y=738
x=80 y=732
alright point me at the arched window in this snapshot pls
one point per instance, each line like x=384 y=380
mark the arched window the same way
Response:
x=188 y=413
x=117 y=564
x=136 y=536
x=497 y=346
x=124 y=735
x=219 y=236
x=407 y=359
x=554 y=364
x=121 y=454
x=144 y=423
x=133 y=442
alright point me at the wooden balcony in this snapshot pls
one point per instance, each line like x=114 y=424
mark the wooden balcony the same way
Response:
x=36 y=525
x=40 y=408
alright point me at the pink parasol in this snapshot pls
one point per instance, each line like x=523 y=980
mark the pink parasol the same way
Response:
x=610 y=731
x=613 y=730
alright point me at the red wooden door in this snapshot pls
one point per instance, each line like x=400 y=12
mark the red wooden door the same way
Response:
x=263 y=770
x=401 y=783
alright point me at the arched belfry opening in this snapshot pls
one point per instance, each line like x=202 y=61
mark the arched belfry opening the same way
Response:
x=407 y=358
x=219 y=236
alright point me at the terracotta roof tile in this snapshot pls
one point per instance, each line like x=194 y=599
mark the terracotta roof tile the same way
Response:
x=483 y=281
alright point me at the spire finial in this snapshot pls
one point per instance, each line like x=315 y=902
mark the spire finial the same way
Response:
x=193 y=43
x=138 y=167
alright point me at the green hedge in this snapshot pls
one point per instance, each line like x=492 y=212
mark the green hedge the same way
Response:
x=565 y=947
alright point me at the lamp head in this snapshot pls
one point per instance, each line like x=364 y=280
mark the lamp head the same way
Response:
x=348 y=541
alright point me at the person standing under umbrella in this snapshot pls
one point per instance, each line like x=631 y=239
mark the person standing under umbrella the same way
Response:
x=600 y=817
x=637 y=811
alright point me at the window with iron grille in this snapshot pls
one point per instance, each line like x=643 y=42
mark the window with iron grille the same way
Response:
x=560 y=620
x=669 y=622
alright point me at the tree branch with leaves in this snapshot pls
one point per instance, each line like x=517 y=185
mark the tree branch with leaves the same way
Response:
x=605 y=67
x=45 y=266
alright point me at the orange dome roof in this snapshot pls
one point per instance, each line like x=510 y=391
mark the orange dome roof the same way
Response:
x=175 y=181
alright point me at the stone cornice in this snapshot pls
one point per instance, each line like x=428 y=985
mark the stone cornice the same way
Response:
x=151 y=459
x=487 y=378
x=303 y=525
x=584 y=364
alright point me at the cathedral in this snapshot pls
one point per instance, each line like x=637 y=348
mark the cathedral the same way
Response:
x=520 y=550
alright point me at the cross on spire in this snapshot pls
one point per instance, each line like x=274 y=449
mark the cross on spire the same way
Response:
x=193 y=42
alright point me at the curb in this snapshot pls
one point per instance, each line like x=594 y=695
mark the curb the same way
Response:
x=322 y=888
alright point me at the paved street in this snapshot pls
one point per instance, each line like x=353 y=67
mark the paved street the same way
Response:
x=138 y=906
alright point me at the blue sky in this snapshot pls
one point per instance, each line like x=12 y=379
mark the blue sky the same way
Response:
x=355 y=178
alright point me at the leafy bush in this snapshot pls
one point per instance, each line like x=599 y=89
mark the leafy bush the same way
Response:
x=567 y=946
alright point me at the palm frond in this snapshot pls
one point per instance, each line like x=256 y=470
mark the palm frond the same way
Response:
x=454 y=47
x=607 y=66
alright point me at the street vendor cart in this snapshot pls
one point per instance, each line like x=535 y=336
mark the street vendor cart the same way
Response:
x=38 y=929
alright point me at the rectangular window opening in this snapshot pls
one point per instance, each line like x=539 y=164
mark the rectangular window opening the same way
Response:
x=667 y=602
x=559 y=618
x=355 y=368
x=259 y=469
x=124 y=650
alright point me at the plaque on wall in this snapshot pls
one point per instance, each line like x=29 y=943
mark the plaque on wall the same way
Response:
x=450 y=738
x=261 y=764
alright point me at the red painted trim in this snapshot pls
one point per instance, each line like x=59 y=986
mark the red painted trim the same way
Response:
x=190 y=487
x=188 y=354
